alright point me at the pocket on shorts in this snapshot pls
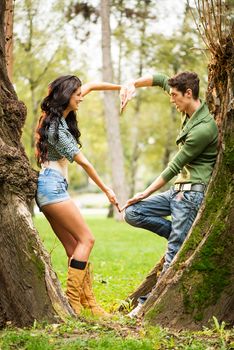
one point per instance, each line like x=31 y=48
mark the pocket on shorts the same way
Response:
x=61 y=187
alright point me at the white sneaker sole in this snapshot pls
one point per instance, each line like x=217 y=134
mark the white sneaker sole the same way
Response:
x=135 y=311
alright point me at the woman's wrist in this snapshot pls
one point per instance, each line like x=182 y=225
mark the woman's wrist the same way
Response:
x=106 y=189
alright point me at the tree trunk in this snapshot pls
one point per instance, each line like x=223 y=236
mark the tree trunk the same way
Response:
x=135 y=124
x=200 y=282
x=8 y=28
x=111 y=111
x=145 y=287
x=29 y=289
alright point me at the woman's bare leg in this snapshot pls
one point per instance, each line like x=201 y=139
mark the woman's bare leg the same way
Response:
x=65 y=218
x=65 y=237
x=74 y=234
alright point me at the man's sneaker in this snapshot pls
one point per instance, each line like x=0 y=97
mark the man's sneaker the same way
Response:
x=134 y=312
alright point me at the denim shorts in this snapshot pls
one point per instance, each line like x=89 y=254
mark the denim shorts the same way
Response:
x=51 y=187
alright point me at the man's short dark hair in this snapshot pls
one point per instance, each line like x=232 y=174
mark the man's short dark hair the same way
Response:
x=186 y=80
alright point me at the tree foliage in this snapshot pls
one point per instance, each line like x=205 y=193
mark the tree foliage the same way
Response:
x=149 y=126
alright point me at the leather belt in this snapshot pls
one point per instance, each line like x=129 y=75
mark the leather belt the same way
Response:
x=190 y=187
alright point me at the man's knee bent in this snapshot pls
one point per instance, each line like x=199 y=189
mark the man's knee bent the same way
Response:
x=130 y=216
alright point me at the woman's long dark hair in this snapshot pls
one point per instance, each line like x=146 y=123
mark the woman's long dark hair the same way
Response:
x=53 y=106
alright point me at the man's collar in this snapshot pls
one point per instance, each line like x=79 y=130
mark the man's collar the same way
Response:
x=196 y=118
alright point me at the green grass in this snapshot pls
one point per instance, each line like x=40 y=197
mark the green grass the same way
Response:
x=122 y=256
x=121 y=335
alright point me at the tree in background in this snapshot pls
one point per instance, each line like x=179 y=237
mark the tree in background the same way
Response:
x=115 y=148
x=136 y=17
x=111 y=110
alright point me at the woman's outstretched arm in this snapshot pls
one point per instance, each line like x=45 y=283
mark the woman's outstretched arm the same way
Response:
x=89 y=169
x=98 y=86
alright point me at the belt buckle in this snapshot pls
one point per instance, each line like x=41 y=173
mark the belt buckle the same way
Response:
x=186 y=187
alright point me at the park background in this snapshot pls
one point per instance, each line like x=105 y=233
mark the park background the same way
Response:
x=56 y=38
x=147 y=37
x=59 y=37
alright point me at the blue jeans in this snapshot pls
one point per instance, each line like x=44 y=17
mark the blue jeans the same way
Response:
x=51 y=187
x=151 y=214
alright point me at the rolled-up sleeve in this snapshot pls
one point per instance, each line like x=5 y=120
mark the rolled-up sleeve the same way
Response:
x=161 y=80
x=66 y=144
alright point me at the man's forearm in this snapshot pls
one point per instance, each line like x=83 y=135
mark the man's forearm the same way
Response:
x=156 y=185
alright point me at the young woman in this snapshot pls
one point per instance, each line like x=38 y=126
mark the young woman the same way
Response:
x=57 y=142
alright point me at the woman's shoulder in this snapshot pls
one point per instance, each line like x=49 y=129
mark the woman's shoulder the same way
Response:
x=62 y=131
x=62 y=125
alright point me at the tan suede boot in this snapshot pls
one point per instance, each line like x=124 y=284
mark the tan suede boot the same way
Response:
x=75 y=280
x=87 y=297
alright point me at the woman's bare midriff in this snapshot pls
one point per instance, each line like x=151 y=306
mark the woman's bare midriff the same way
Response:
x=60 y=165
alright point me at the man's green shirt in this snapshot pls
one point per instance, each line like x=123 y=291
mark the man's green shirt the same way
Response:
x=197 y=142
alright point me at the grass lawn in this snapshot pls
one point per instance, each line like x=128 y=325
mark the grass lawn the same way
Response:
x=121 y=257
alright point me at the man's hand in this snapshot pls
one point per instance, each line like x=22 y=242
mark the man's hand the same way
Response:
x=136 y=198
x=156 y=185
x=127 y=92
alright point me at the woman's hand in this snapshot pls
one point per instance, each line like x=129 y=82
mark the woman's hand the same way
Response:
x=136 y=198
x=127 y=92
x=112 y=197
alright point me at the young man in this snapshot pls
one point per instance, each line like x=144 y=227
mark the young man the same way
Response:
x=193 y=164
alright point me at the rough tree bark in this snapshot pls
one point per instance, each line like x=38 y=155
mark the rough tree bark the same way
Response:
x=111 y=111
x=200 y=282
x=29 y=289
